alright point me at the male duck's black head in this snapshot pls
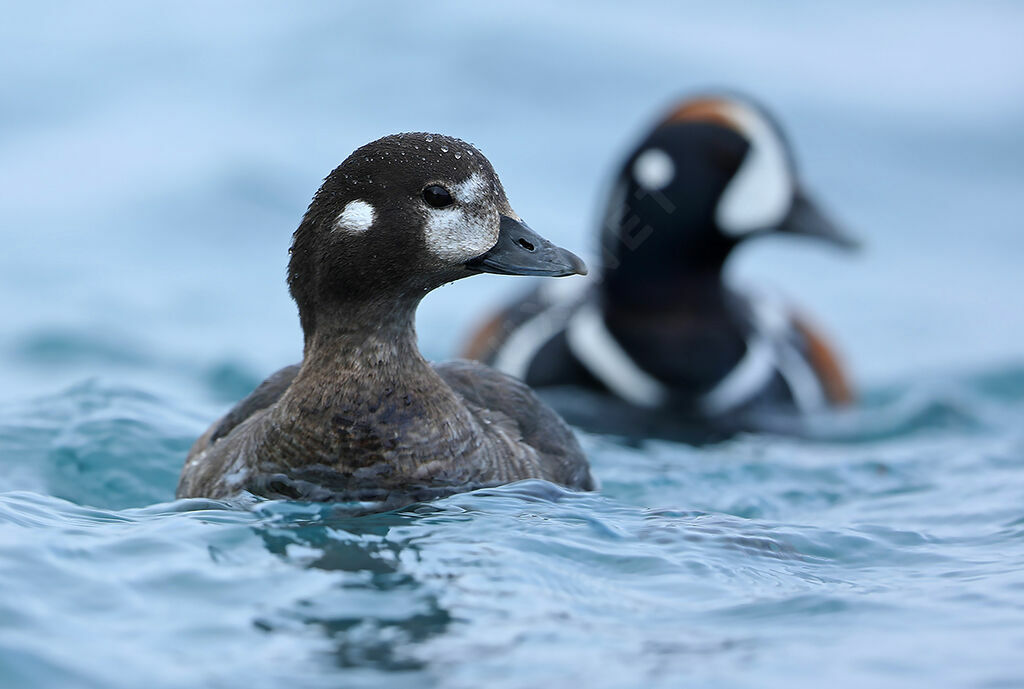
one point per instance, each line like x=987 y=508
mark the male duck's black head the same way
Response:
x=403 y=215
x=714 y=172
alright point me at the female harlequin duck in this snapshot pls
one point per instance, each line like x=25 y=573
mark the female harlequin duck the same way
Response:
x=364 y=417
x=658 y=329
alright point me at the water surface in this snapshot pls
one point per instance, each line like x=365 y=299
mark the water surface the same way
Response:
x=154 y=161
x=891 y=551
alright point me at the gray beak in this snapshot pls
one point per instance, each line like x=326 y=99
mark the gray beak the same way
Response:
x=521 y=251
x=806 y=219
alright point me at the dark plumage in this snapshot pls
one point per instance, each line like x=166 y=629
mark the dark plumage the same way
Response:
x=659 y=330
x=364 y=417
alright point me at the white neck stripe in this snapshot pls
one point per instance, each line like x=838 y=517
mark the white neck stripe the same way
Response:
x=601 y=354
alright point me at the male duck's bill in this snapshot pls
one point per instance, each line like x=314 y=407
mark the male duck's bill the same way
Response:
x=805 y=218
x=521 y=251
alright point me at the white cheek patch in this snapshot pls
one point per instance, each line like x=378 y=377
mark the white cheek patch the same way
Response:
x=653 y=169
x=455 y=233
x=761 y=192
x=473 y=190
x=355 y=218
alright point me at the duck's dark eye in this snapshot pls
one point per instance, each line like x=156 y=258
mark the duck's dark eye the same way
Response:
x=437 y=196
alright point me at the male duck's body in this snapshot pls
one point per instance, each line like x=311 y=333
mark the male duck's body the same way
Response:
x=659 y=329
x=364 y=417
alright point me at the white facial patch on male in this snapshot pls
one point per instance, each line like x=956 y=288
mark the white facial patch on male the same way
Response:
x=653 y=169
x=355 y=218
x=468 y=227
x=761 y=192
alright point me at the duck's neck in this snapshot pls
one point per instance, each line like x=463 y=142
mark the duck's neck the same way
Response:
x=690 y=296
x=362 y=369
x=365 y=340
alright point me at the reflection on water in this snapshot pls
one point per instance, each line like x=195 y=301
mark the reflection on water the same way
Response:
x=378 y=611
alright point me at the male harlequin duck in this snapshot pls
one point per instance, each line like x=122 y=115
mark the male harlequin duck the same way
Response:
x=364 y=417
x=658 y=329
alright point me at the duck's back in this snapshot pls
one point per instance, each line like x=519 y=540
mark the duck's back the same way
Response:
x=205 y=465
x=266 y=394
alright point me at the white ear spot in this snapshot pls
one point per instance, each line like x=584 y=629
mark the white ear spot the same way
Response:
x=355 y=218
x=653 y=169
x=761 y=192
x=468 y=227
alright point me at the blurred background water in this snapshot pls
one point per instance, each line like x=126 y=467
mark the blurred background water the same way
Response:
x=154 y=161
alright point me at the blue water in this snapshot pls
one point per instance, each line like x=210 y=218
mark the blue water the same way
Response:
x=153 y=163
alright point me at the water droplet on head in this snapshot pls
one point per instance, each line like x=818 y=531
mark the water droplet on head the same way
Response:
x=429 y=138
x=444 y=149
x=457 y=156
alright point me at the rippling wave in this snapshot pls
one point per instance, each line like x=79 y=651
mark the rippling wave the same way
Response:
x=892 y=537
